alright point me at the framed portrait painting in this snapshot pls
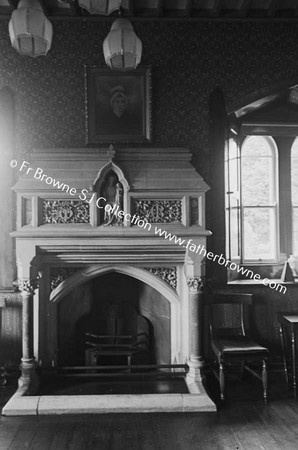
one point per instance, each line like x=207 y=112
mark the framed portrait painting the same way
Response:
x=118 y=105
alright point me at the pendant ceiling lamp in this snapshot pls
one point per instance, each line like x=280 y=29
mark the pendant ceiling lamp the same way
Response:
x=122 y=48
x=30 y=31
x=105 y=7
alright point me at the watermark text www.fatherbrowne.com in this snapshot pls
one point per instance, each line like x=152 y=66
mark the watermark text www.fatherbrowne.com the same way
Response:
x=143 y=223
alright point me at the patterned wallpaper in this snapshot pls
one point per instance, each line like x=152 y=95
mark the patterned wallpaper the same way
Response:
x=188 y=61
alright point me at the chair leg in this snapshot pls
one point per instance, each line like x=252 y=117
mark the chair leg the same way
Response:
x=282 y=338
x=221 y=381
x=264 y=379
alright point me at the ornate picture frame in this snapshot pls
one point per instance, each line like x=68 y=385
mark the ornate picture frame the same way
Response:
x=118 y=105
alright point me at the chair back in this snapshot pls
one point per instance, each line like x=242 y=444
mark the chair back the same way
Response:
x=227 y=314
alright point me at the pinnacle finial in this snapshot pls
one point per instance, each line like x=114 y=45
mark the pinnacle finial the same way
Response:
x=111 y=152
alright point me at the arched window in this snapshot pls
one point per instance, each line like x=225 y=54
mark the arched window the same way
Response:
x=259 y=199
x=294 y=196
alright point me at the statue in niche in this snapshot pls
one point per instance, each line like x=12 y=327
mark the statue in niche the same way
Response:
x=112 y=191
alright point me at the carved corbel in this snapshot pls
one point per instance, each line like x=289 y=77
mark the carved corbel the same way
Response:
x=28 y=285
x=194 y=283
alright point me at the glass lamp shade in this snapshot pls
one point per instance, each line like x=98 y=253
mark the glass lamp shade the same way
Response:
x=122 y=48
x=105 y=7
x=30 y=31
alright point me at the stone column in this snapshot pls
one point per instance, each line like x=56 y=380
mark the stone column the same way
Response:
x=195 y=361
x=193 y=277
x=28 y=382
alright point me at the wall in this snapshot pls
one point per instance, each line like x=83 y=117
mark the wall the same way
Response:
x=189 y=60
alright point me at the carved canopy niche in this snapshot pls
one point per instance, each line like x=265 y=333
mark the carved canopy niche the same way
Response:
x=157 y=185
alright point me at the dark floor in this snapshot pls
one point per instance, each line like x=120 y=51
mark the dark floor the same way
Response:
x=243 y=422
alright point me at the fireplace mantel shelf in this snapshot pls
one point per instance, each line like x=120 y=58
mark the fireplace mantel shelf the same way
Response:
x=80 y=230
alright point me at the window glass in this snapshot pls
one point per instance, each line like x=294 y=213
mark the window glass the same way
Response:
x=257 y=172
x=258 y=192
x=259 y=233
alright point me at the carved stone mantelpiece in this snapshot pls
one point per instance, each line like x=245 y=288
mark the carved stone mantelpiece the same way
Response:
x=66 y=241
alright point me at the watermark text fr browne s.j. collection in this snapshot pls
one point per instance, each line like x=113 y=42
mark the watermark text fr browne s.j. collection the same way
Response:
x=143 y=223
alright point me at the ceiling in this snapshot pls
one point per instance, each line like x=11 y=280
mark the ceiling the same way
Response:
x=174 y=9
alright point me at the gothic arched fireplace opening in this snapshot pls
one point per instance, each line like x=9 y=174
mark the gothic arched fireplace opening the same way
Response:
x=111 y=313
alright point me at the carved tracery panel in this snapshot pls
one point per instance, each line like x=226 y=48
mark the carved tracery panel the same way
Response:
x=167 y=274
x=159 y=211
x=65 y=211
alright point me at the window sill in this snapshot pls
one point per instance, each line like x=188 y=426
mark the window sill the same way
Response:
x=258 y=282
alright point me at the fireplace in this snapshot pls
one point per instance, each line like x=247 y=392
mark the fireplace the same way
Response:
x=95 y=257
x=116 y=310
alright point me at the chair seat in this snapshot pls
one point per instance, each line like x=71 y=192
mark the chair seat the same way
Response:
x=236 y=344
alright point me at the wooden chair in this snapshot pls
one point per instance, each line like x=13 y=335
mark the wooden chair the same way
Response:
x=229 y=340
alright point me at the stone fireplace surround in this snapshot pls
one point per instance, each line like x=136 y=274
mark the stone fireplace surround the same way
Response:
x=62 y=243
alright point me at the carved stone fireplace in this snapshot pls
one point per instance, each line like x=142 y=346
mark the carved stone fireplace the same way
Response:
x=68 y=242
